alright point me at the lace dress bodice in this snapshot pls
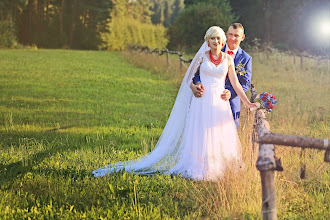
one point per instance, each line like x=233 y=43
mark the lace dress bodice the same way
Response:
x=213 y=75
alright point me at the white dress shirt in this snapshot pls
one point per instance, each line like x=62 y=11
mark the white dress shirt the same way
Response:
x=234 y=51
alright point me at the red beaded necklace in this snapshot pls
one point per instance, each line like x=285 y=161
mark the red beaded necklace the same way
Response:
x=216 y=61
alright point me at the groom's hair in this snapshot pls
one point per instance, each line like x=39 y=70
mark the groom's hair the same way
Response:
x=237 y=25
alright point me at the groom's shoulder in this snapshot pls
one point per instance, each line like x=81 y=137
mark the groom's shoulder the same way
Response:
x=245 y=54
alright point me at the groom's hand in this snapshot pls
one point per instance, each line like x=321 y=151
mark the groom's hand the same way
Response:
x=197 y=89
x=226 y=95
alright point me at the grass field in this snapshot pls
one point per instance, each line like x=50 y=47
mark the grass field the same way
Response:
x=66 y=113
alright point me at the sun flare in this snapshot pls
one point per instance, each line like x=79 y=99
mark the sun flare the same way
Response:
x=325 y=28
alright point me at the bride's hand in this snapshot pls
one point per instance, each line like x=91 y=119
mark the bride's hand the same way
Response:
x=226 y=95
x=253 y=106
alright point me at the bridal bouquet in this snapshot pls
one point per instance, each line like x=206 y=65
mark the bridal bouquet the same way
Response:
x=267 y=101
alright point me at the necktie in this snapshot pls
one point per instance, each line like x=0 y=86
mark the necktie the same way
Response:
x=230 y=52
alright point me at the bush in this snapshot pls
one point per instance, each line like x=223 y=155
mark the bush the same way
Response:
x=282 y=46
x=123 y=32
x=7 y=35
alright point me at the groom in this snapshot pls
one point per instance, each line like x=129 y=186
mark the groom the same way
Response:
x=243 y=67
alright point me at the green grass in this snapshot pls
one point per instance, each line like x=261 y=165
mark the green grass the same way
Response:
x=66 y=113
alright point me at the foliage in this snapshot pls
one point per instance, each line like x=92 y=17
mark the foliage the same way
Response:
x=222 y=4
x=7 y=34
x=281 y=46
x=138 y=10
x=56 y=24
x=9 y=8
x=248 y=11
x=189 y=29
x=165 y=12
x=128 y=31
x=128 y=27
x=79 y=24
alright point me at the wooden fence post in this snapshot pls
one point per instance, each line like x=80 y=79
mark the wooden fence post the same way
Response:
x=276 y=57
x=327 y=156
x=266 y=165
x=301 y=61
x=168 y=63
x=269 y=211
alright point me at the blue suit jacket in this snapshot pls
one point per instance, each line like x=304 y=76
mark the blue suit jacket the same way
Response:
x=245 y=80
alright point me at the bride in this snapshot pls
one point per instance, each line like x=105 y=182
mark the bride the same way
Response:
x=200 y=137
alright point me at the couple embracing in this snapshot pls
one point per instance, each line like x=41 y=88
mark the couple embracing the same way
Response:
x=200 y=137
x=243 y=66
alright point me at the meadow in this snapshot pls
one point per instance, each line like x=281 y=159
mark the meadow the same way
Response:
x=65 y=113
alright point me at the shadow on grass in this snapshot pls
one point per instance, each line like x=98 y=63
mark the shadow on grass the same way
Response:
x=28 y=151
x=37 y=147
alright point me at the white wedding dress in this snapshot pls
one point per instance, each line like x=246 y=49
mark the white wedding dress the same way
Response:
x=210 y=139
x=200 y=137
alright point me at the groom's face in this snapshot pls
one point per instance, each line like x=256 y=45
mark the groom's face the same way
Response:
x=234 y=37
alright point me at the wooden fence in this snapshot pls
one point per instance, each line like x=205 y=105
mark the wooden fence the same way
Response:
x=161 y=52
x=267 y=162
x=266 y=53
x=298 y=58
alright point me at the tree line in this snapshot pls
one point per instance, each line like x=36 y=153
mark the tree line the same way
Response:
x=176 y=24
x=56 y=23
x=82 y=24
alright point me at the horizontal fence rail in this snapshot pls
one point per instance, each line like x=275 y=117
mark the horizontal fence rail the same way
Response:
x=160 y=52
x=293 y=53
x=294 y=141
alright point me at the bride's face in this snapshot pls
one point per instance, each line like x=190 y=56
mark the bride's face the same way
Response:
x=215 y=42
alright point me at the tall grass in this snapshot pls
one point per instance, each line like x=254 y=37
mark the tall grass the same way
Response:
x=303 y=110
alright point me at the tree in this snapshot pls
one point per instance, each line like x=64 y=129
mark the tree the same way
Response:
x=188 y=30
x=157 y=9
x=54 y=23
x=165 y=11
x=130 y=24
x=7 y=34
